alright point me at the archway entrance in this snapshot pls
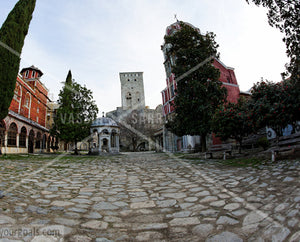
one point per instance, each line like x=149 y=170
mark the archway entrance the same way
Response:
x=104 y=145
x=31 y=142
x=142 y=146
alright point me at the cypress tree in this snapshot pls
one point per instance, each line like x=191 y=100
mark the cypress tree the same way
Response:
x=12 y=35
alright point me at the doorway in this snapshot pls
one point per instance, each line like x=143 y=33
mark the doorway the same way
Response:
x=31 y=142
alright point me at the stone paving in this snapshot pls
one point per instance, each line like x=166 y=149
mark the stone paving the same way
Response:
x=147 y=197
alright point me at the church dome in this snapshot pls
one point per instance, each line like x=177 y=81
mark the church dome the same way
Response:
x=104 y=121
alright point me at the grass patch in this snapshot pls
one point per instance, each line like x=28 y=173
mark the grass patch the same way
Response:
x=237 y=162
x=21 y=157
x=245 y=162
x=66 y=158
x=190 y=158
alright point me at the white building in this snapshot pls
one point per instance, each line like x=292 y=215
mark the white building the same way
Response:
x=105 y=136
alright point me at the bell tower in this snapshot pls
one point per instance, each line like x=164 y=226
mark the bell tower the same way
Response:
x=132 y=90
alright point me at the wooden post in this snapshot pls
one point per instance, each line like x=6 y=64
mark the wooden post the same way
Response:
x=273 y=156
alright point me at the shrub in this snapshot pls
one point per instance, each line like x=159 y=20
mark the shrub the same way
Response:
x=263 y=142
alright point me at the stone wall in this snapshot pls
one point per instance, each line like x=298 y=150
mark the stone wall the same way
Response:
x=132 y=90
x=137 y=127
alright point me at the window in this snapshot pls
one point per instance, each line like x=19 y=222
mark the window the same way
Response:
x=128 y=96
x=172 y=91
x=228 y=79
x=26 y=73
x=37 y=110
x=135 y=80
x=37 y=119
x=27 y=100
x=128 y=80
x=22 y=138
x=12 y=135
x=33 y=74
x=16 y=96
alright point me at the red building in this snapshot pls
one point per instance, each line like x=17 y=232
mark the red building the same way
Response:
x=24 y=129
x=227 y=77
x=171 y=142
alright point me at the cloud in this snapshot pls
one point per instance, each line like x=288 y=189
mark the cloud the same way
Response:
x=97 y=39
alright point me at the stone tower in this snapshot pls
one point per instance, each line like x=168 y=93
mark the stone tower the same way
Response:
x=132 y=90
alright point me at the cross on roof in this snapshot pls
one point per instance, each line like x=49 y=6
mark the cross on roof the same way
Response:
x=176 y=17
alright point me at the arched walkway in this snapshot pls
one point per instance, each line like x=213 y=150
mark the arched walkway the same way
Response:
x=31 y=142
x=12 y=135
x=22 y=137
x=44 y=141
x=38 y=140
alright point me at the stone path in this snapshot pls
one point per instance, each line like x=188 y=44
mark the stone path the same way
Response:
x=147 y=197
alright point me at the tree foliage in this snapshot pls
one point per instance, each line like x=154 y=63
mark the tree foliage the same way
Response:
x=12 y=36
x=199 y=93
x=285 y=15
x=76 y=111
x=234 y=120
x=275 y=104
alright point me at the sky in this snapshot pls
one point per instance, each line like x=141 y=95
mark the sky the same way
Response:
x=97 y=39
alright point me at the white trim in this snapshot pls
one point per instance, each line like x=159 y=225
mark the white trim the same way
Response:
x=245 y=92
x=20 y=98
x=29 y=106
x=227 y=67
x=230 y=84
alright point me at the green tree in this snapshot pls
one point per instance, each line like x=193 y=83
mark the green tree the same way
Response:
x=275 y=104
x=76 y=111
x=233 y=120
x=285 y=15
x=12 y=36
x=199 y=93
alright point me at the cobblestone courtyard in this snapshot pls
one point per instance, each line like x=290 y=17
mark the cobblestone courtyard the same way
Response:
x=147 y=197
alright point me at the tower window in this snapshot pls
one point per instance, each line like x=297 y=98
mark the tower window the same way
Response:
x=33 y=74
x=128 y=96
x=228 y=79
x=26 y=73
